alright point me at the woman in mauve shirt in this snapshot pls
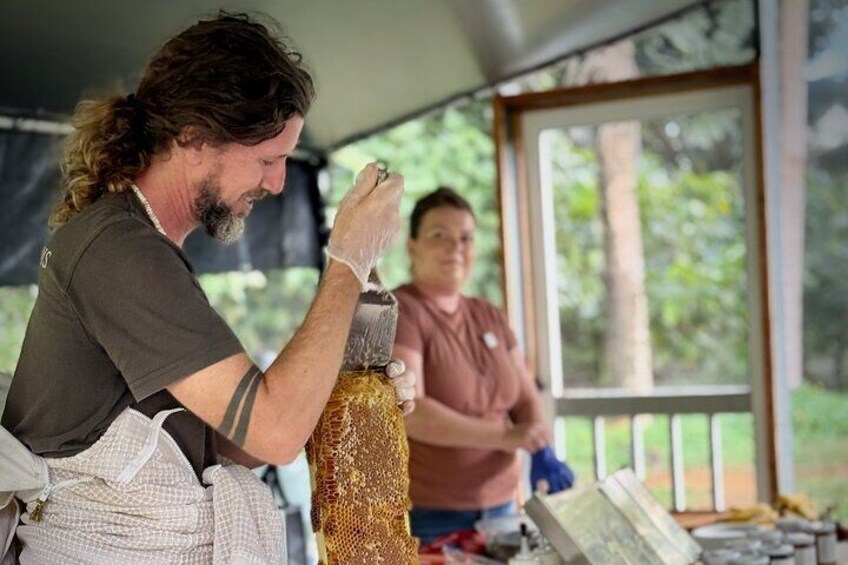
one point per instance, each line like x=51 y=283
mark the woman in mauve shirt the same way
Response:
x=476 y=404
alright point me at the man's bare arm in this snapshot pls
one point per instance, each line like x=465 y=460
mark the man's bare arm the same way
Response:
x=234 y=453
x=271 y=415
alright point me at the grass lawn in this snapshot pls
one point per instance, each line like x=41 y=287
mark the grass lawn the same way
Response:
x=820 y=420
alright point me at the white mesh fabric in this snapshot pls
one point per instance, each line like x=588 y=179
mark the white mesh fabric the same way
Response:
x=162 y=515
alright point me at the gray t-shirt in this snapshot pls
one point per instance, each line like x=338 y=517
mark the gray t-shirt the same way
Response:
x=120 y=315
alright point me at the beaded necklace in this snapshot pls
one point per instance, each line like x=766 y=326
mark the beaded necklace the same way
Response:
x=150 y=213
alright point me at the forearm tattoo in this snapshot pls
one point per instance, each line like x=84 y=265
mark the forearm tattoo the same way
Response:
x=236 y=420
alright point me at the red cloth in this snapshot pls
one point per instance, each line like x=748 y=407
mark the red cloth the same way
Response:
x=468 y=541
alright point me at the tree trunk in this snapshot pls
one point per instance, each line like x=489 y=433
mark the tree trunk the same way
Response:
x=627 y=343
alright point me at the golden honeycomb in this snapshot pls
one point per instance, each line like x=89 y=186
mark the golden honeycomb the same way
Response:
x=358 y=457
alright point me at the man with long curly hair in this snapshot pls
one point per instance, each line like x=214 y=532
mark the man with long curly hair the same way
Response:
x=129 y=386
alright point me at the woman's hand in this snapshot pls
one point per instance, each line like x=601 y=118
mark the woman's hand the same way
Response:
x=532 y=436
x=404 y=382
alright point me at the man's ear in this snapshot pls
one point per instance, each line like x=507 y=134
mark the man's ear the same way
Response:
x=193 y=144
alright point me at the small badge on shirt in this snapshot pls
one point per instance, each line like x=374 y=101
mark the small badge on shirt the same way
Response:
x=490 y=339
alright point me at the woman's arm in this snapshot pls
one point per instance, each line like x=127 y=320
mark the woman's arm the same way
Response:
x=529 y=408
x=434 y=423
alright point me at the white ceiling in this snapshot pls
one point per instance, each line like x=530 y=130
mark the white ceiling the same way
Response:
x=375 y=61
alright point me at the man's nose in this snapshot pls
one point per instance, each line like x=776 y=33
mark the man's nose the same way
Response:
x=274 y=179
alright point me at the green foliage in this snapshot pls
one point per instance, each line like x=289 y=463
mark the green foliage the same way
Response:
x=820 y=442
x=814 y=415
x=451 y=148
x=826 y=279
x=719 y=34
x=15 y=306
x=693 y=232
x=263 y=309
x=737 y=431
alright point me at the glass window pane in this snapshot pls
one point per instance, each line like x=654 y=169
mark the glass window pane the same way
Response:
x=651 y=251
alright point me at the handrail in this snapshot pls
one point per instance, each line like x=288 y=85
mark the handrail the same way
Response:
x=662 y=400
x=596 y=404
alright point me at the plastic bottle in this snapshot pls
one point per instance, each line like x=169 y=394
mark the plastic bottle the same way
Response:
x=524 y=555
x=547 y=554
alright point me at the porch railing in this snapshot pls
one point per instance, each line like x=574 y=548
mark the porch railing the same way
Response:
x=599 y=404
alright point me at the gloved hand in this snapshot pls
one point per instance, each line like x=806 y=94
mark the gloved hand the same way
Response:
x=545 y=468
x=367 y=222
x=404 y=382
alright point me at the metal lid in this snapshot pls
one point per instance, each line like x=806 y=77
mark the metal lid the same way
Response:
x=823 y=528
x=782 y=550
x=752 y=559
x=800 y=539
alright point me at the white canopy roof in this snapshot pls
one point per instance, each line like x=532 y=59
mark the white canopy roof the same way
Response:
x=376 y=62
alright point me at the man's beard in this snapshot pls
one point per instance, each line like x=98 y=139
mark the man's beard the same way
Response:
x=220 y=221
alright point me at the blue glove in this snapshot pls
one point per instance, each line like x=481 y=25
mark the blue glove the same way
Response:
x=545 y=466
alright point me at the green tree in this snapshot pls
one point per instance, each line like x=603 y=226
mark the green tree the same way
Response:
x=453 y=147
x=263 y=309
x=15 y=306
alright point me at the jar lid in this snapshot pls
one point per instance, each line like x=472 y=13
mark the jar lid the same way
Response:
x=824 y=528
x=792 y=525
x=766 y=536
x=743 y=544
x=720 y=556
x=800 y=539
x=750 y=560
x=783 y=550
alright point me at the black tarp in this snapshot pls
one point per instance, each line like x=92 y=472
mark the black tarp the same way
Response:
x=286 y=231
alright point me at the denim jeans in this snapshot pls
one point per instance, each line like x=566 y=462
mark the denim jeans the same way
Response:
x=431 y=523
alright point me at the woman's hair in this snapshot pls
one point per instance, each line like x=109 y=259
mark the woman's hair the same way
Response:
x=228 y=79
x=439 y=198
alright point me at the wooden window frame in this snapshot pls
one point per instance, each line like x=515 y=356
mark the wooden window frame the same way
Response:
x=509 y=112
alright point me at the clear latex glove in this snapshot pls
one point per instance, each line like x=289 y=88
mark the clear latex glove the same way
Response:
x=367 y=222
x=404 y=382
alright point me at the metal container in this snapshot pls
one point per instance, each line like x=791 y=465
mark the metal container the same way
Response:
x=744 y=545
x=783 y=554
x=751 y=559
x=766 y=536
x=805 y=547
x=720 y=556
x=825 y=533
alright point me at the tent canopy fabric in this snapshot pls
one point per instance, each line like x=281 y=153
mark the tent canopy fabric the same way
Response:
x=287 y=231
x=376 y=62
